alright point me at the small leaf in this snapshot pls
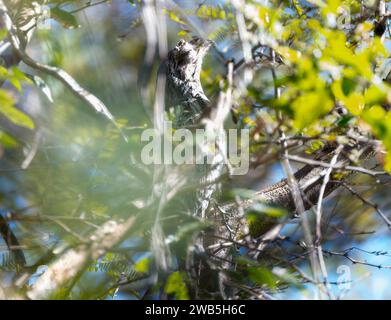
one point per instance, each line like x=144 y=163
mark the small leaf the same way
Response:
x=176 y=285
x=174 y=17
x=17 y=117
x=7 y=141
x=16 y=83
x=3 y=34
x=183 y=33
x=66 y=19
x=13 y=114
x=18 y=74
x=271 y=211
x=142 y=265
x=387 y=165
x=314 y=146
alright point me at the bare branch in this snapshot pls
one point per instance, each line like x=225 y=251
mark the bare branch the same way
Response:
x=72 y=262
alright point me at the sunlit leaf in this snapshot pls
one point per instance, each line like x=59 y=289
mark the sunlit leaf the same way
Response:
x=142 y=265
x=7 y=141
x=176 y=285
x=13 y=114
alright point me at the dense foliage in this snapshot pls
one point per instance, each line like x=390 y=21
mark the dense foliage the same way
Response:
x=82 y=217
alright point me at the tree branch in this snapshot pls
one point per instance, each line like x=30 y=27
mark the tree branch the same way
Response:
x=57 y=73
x=72 y=262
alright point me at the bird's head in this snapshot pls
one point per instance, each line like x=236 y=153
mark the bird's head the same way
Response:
x=190 y=52
x=183 y=69
x=201 y=45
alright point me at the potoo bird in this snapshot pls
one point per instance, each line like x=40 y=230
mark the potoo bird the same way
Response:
x=187 y=102
x=184 y=93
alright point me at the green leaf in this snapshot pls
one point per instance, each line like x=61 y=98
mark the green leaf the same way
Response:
x=380 y=122
x=245 y=261
x=13 y=114
x=176 y=285
x=66 y=19
x=175 y=18
x=262 y=276
x=310 y=107
x=16 y=83
x=17 y=117
x=18 y=74
x=7 y=141
x=3 y=33
x=183 y=33
x=211 y=12
x=375 y=95
x=287 y=275
x=314 y=146
x=297 y=7
x=142 y=265
x=271 y=211
x=348 y=85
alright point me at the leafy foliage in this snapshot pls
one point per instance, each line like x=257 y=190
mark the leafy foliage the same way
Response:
x=176 y=285
x=307 y=75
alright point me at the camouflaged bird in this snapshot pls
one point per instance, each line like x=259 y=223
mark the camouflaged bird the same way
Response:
x=184 y=94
